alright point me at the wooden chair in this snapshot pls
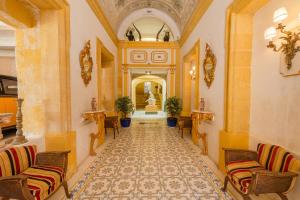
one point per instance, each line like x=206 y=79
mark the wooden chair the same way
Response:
x=26 y=174
x=270 y=169
x=185 y=123
x=111 y=122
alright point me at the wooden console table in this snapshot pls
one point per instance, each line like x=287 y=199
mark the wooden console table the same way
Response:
x=98 y=117
x=4 y=119
x=198 y=117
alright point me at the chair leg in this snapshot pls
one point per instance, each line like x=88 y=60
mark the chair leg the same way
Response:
x=65 y=185
x=114 y=134
x=225 y=184
x=181 y=133
x=282 y=196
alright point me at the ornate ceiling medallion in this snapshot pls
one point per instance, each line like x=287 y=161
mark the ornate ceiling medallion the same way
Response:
x=86 y=63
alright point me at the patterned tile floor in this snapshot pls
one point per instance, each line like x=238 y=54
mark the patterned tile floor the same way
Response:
x=149 y=161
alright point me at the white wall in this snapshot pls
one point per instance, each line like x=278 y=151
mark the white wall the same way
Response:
x=84 y=26
x=8 y=66
x=211 y=30
x=275 y=110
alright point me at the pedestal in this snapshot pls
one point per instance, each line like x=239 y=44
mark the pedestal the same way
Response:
x=151 y=109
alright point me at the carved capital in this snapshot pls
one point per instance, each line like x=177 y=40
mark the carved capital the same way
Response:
x=125 y=69
x=172 y=70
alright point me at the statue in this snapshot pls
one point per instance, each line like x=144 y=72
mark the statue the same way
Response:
x=151 y=100
x=130 y=36
x=167 y=36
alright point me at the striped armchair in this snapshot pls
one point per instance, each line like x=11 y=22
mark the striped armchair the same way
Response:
x=26 y=174
x=270 y=169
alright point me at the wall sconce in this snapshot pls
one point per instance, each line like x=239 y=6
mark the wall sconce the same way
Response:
x=193 y=72
x=289 y=39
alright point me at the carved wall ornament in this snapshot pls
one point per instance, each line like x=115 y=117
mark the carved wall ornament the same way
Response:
x=209 y=66
x=86 y=63
x=159 y=56
x=138 y=56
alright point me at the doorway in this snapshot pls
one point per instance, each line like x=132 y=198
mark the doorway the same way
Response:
x=190 y=77
x=106 y=72
x=145 y=85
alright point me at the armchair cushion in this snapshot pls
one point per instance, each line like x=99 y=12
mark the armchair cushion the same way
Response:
x=43 y=180
x=14 y=161
x=240 y=173
x=276 y=159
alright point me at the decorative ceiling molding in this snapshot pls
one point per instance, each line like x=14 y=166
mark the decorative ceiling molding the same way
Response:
x=194 y=19
x=96 y=8
x=16 y=14
x=138 y=14
x=179 y=10
x=186 y=21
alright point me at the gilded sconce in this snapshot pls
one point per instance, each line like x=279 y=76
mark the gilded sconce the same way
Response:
x=209 y=66
x=288 y=39
x=86 y=63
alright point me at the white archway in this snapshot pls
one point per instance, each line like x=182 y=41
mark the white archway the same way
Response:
x=152 y=78
x=145 y=13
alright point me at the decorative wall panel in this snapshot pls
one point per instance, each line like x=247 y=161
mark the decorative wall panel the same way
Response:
x=148 y=56
x=159 y=57
x=138 y=56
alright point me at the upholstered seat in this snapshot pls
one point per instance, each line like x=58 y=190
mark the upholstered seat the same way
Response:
x=240 y=173
x=43 y=180
x=26 y=174
x=270 y=169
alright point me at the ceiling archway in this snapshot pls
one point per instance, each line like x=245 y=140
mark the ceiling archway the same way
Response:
x=143 y=13
x=117 y=10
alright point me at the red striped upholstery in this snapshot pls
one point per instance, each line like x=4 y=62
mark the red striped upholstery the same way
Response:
x=275 y=158
x=240 y=173
x=43 y=180
x=15 y=160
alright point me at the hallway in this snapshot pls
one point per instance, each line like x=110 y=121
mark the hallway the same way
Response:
x=149 y=161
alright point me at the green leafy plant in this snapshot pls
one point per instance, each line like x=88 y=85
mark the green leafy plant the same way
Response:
x=173 y=106
x=124 y=105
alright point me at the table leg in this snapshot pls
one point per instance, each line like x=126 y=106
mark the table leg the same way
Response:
x=93 y=138
x=203 y=136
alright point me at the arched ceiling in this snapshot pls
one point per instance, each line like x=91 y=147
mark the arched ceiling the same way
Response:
x=179 y=10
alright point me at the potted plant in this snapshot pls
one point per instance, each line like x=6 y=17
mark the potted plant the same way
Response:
x=174 y=107
x=125 y=106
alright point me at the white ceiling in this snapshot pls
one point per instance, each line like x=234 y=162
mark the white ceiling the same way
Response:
x=117 y=10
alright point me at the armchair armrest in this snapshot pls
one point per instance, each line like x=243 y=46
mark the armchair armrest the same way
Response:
x=232 y=155
x=272 y=182
x=15 y=187
x=53 y=158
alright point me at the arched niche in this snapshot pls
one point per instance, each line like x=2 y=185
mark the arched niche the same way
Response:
x=145 y=13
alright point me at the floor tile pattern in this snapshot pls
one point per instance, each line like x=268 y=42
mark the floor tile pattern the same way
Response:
x=149 y=161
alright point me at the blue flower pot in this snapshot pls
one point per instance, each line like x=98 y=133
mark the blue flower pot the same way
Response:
x=171 y=121
x=125 y=122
